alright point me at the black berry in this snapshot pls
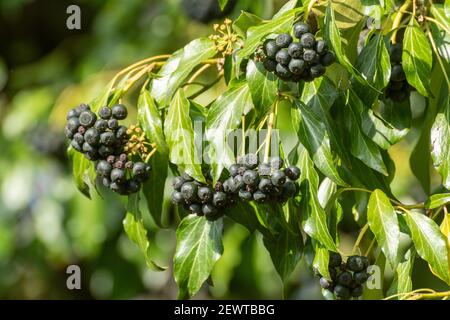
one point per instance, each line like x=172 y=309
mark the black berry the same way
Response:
x=308 y=40
x=283 y=40
x=295 y=50
x=300 y=29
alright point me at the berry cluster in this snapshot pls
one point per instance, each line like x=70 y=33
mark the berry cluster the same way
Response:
x=261 y=182
x=304 y=60
x=200 y=198
x=398 y=88
x=347 y=279
x=103 y=140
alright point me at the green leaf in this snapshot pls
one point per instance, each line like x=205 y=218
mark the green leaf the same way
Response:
x=313 y=134
x=178 y=67
x=383 y=222
x=333 y=37
x=223 y=4
x=245 y=21
x=150 y=121
x=417 y=58
x=244 y=214
x=374 y=64
x=445 y=229
x=321 y=260
x=361 y=146
x=291 y=4
x=80 y=169
x=135 y=230
x=402 y=282
x=223 y=117
x=437 y=200
x=440 y=142
x=180 y=137
x=314 y=220
x=199 y=246
x=430 y=243
x=263 y=87
x=256 y=34
x=320 y=93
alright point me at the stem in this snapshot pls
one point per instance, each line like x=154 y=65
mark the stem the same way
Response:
x=205 y=88
x=438 y=23
x=360 y=237
x=150 y=155
x=243 y=136
x=398 y=19
x=139 y=63
x=270 y=126
x=441 y=64
x=310 y=6
x=198 y=73
x=414 y=8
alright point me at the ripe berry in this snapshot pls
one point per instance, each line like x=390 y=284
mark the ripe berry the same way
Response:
x=81 y=130
x=105 y=151
x=119 y=112
x=328 y=59
x=68 y=133
x=195 y=208
x=342 y=292
x=397 y=85
x=251 y=161
x=219 y=199
x=317 y=70
x=395 y=52
x=79 y=138
x=278 y=178
x=187 y=177
x=271 y=49
x=118 y=164
x=295 y=50
x=83 y=107
x=265 y=185
x=123 y=157
x=345 y=278
x=250 y=177
x=113 y=124
x=209 y=210
x=241 y=170
x=88 y=148
x=245 y=195
x=292 y=172
x=355 y=263
x=133 y=186
x=360 y=277
x=177 y=182
x=270 y=65
x=177 y=198
x=104 y=113
x=333 y=273
x=397 y=73
x=357 y=291
x=92 y=136
x=73 y=124
x=107 y=138
x=264 y=169
x=73 y=113
x=335 y=260
x=325 y=283
x=297 y=66
x=276 y=163
x=106 y=182
x=310 y=55
x=189 y=191
x=117 y=187
x=76 y=146
x=365 y=261
x=229 y=186
x=283 y=57
x=233 y=170
x=101 y=125
x=308 y=40
x=289 y=189
x=238 y=181
x=399 y=96
x=205 y=194
x=300 y=29
x=321 y=47
x=121 y=133
x=283 y=40
x=260 y=196
x=141 y=170
x=87 y=118
x=283 y=72
x=117 y=175
x=103 y=168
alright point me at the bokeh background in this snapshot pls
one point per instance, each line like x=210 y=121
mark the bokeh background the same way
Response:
x=46 y=224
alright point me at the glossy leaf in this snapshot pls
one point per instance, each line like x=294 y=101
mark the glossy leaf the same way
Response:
x=178 y=67
x=437 y=200
x=245 y=21
x=445 y=229
x=321 y=260
x=429 y=243
x=417 y=58
x=402 y=282
x=320 y=93
x=440 y=142
x=199 y=246
x=80 y=169
x=383 y=222
x=180 y=137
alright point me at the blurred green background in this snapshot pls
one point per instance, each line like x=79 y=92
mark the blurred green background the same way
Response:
x=45 y=223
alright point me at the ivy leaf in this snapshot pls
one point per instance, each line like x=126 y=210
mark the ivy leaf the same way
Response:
x=263 y=87
x=437 y=200
x=417 y=58
x=80 y=169
x=361 y=146
x=256 y=34
x=440 y=143
x=333 y=37
x=313 y=134
x=402 y=282
x=135 y=230
x=321 y=260
x=430 y=243
x=320 y=93
x=314 y=220
x=383 y=222
x=245 y=21
x=445 y=229
x=291 y=4
x=199 y=246
x=223 y=4
x=178 y=67
x=223 y=117
x=374 y=64
x=180 y=137
x=244 y=214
